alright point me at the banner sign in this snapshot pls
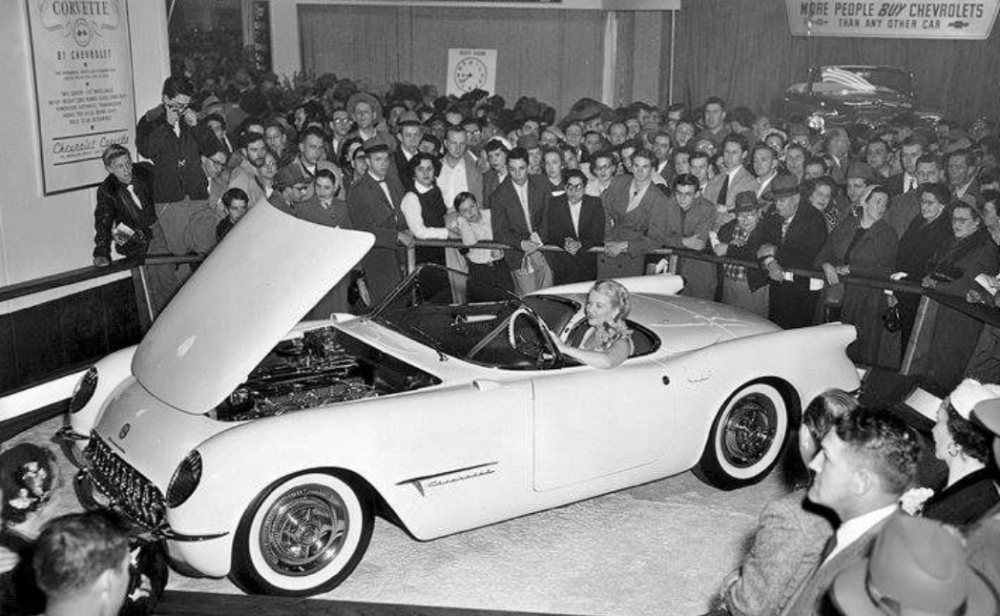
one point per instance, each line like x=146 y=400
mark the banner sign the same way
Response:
x=921 y=19
x=82 y=63
x=469 y=69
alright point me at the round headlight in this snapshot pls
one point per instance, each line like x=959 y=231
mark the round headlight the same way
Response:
x=185 y=480
x=84 y=390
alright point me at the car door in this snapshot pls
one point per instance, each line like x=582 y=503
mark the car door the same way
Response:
x=591 y=423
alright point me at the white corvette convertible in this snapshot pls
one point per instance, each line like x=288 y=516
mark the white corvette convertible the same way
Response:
x=261 y=449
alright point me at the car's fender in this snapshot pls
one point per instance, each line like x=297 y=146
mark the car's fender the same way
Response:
x=112 y=372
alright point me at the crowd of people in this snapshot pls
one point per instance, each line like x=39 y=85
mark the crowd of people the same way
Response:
x=598 y=189
x=588 y=198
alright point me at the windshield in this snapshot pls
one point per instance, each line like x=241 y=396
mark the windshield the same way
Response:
x=497 y=330
x=862 y=79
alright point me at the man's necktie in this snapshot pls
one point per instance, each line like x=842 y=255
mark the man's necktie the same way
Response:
x=724 y=192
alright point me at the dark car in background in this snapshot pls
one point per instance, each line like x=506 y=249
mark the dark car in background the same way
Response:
x=838 y=95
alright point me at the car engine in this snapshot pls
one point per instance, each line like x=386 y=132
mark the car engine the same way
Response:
x=323 y=367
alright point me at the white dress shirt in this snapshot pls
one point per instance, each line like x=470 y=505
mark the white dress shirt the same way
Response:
x=851 y=530
x=452 y=181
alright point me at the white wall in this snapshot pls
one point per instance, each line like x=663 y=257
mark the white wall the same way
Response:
x=41 y=236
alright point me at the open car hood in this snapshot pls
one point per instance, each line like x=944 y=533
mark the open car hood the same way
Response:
x=256 y=285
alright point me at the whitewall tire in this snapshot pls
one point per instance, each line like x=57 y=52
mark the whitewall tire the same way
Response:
x=302 y=535
x=747 y=438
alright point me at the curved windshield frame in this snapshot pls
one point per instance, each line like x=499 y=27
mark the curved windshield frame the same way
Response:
x=500 y=331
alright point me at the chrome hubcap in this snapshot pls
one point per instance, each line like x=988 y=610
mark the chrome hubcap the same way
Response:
x=304 y=530
x=749 y=431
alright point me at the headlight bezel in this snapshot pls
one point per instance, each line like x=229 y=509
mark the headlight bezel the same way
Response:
x=84 y=390
x=185 y=480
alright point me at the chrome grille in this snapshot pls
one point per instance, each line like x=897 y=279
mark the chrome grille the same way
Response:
x=129 y=491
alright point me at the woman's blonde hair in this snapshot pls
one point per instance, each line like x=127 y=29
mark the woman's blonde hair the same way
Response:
x=619 y=296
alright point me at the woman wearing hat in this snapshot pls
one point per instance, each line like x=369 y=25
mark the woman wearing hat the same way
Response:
x=965 y=448
x=862 y=246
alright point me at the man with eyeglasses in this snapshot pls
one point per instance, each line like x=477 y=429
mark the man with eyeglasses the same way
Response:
x=171 y=136
x=575 y=221
x=218 y=175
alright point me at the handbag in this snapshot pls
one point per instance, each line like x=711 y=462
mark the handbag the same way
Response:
x=534 y=274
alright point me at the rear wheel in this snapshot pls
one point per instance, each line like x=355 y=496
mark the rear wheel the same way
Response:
x=302 y=535
x=746 y=438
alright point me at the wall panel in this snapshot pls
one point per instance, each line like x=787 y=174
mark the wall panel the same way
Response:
x=554 y=56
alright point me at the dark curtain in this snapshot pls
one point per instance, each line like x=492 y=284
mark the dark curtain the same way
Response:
x=743 y=51
x=551 y=54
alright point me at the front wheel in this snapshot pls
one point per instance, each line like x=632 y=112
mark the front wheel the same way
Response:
x=303 y=535
x=746 y=439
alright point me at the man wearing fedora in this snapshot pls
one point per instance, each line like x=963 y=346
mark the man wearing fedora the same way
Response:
x=917 y=566
x=791 y=237
x=373 y=203
x=739 y=239
x=983 y=537
x=291 y=187
x=865 y=464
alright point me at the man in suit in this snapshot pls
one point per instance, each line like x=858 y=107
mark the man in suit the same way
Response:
x=519 y=209
x=913 y=148
x=723 y=188
x=962 y=168
x=408 y=131
x=792 y=236
x=864 y=465
x=124 y=214
x=575 y=222
x=906 y=207
x=373 y=206
x=690 y=218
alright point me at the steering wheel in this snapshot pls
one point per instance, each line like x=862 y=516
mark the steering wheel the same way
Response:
x=519 y=339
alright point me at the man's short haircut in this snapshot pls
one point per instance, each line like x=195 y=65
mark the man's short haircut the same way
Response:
x=312 y=131
x=215 y=117
x=569 y=174
x=696 y=154
x=551 y=149
x=763 y=146
x=420 y=157
x=74 y=550
x=974 y=211
x=618 y=123
x=941 y=192
x=275 y=123
x=915 y=139
x=738 y=139
x=795 y=145
x=326 y=174
x=237 y=194
x=431 y=139
x=715 y=100
x=687 y=179
x=517 y=153
x=454 y=128
x=114 y=151
x=478 y=123
x=970 y=156
x=643 y=153
x=663 y=133
x=608 y=154
x=250 y=137
x=816 y=160
x=494 y=145
x=682 y=150
x=173 y=86
x=885 y=445
x=592 y=132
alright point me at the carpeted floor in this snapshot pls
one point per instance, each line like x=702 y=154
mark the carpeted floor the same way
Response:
x=661 y=548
